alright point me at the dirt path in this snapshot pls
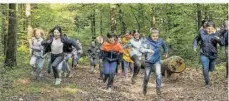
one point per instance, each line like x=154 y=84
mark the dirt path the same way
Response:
x=187 y=86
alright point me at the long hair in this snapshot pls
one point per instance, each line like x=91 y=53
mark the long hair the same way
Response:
x=56 y=28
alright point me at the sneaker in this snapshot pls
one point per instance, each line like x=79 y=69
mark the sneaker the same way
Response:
x=144 y=90
x=109 y=90
x=158 y=91
x=133 y=81
x=207 y=85
x=69 y=75
x=49 y=71
x=58 y=81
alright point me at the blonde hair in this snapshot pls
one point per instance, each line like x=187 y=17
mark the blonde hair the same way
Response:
x=40 y=30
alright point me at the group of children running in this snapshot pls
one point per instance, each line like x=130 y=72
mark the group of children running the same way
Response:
x=132 y=51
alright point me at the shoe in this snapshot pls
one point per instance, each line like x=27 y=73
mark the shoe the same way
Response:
x=207 y=86
x=49 y=71
x=144 y=90
x=158 y=91
x=109 y=90
x=68 y=74
x=58 y=81
x=133 y=80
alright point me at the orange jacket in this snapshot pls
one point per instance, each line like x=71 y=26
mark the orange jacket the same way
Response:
x=106 y=46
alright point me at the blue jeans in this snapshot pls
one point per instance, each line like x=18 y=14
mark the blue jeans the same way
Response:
x=92 y=63
x=49 y=63
x=66 y=67
x=37 y=63
x=207 y=65
x=56 y=60
x=126 y=65
x=148 y=68
x=75 y=59
x=109 y=69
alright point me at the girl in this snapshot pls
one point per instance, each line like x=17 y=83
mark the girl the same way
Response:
x=135 y=53
x=111 y=54
x=100 y=41
x=57 y=44
x=76 y=54
x=208 y=49
x=152 y=59
x=92 y=55
x=127 y=62
x=37 y=57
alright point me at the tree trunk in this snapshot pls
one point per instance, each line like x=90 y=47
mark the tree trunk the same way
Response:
x=4 y=28
x=93 y=25
x=152 y=17
x=28 y=23
x=101 y=23
x=123 y=24
x=199 y=16
x=10 y=59
x=112 y=18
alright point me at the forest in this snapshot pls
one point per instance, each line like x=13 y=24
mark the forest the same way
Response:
x=178 y=24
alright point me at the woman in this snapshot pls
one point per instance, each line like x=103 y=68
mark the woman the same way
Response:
x=57 y=44
x=111 y=54
x=208 y=49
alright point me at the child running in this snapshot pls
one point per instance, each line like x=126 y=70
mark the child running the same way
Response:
x=37 y=58
x=208 y=49
x=152 y=60
x=111 y=54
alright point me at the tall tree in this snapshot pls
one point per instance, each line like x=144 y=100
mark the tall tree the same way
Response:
x=121 y=15
x=10 y=59
x=199 y=16
x=4 y=28
x=93 y=25
x=28 y=22
x=112 y=18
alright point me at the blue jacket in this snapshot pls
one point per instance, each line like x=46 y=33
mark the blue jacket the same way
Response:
x=67 y=44
x=208 y=45
x=155 y=46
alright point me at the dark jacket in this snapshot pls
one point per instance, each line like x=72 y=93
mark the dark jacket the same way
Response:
x=155 y=46
x=93 y=52
x=111 y=52
x=208 y=45
x=67 y=44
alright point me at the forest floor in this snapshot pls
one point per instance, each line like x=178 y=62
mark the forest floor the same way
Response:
x=19 y=85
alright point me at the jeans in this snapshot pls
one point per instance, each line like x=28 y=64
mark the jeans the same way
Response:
x=137 y=65
x=226 y=51
x=37 y=63
x=75 y=59
x=92 y=63
x=56 y=61
x=49 y=62
x=101 y=67
x=66 y=67
x=207 y=65
x=126 y=65
x=148 y=68
x=109 y=71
